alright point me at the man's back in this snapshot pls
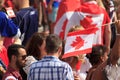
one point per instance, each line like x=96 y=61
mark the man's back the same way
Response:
x=27 y=19
x=50 y=68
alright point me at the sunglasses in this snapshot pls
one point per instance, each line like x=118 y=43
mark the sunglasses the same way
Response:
x=23 y=57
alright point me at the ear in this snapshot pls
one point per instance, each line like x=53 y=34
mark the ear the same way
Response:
x=102 y=58
x=60 y=50
x=13 y=58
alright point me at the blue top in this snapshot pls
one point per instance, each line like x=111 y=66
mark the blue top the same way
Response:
x=55 y=3
x=7 y=27
x=27 y=20
x=50 y=68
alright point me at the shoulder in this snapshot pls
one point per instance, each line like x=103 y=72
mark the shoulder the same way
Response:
x=64 y=63
x=33 y=11
x=35 y=64
x=27 y=12
x=66 y=66
x=90 y=73
x=10 y=78
x=3 y=15
x=98 y=73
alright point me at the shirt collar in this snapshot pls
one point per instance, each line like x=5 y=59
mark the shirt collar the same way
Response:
x=50 y=58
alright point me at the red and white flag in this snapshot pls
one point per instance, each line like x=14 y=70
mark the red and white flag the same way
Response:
x=65 y=11
x=10 y=12
x=86 y=15
x=79 y=42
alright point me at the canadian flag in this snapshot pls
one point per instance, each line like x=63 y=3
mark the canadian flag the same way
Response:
x=79 y=42
x=88 y=15
x=10 y=12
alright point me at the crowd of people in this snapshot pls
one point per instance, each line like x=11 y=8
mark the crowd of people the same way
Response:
x=29 y=54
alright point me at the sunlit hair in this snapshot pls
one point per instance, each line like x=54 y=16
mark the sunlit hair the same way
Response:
x=75 y=28
x=53 y=43
x=34 y=43
x=97 y=52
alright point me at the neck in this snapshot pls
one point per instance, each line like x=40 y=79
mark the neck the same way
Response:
x=42 y=55
x=14 y=66
x=53 y=54
x=24 y=4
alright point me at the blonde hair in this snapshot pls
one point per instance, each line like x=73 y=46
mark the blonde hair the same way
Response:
x=76 y=27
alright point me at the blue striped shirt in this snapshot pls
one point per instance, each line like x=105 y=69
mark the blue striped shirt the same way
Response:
x=50 y=68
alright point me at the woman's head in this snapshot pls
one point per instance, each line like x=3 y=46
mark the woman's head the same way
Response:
x=76 y=28
x=36 y=45
x=98 y=54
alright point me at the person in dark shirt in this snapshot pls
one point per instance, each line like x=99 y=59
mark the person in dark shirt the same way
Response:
x=26 y=18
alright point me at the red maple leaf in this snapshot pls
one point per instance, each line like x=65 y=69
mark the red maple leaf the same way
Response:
x=78 y=43
x=87 y=22
x=62 y=33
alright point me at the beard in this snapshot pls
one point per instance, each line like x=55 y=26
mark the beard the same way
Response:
x=19 y=64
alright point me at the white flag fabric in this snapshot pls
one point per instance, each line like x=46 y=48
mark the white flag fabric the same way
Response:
x=87 y=15
x=29 y=61
x=79 y=42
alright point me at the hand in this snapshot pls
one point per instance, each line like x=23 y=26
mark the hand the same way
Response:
x=2 y=70
x=77 y=77
x=17 y=41
x=118 y=26
x=1 y=44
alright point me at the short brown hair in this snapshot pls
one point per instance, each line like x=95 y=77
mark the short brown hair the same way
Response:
x=53 y=42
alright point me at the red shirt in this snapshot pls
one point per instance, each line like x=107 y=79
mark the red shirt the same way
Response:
x=8 y=3
x=3 y=56
x=12 y=74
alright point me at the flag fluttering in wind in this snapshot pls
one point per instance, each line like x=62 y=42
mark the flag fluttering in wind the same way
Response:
x=79 y=42
x=87 y=15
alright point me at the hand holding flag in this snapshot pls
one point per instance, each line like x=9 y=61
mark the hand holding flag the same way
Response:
x=79 y=42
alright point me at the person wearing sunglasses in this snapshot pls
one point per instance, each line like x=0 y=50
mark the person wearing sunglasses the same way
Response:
x=17 y=58
x=50 y=67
